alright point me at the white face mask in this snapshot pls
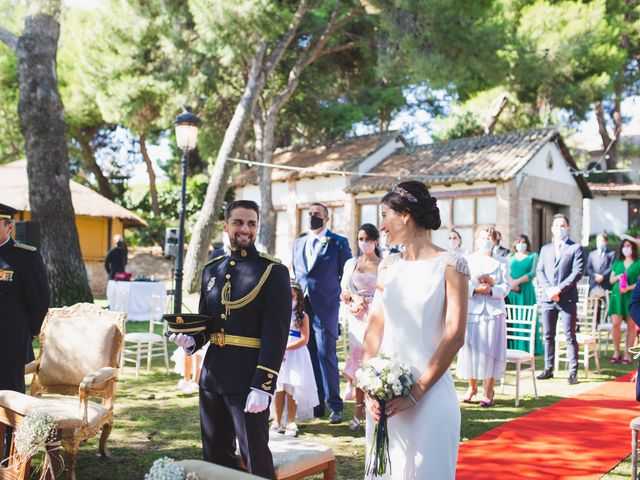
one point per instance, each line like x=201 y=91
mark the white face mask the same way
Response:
x=367 y=247
x=486 y=245
x=601 y=245
x=454 y=243
x=627 y=251
x=559 y=233
x=521 y=247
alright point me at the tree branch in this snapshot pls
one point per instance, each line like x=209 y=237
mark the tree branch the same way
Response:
x=283 y=44
x=341 y=48
x=9 y=39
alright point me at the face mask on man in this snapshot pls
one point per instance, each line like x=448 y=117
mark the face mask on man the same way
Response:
x=486 y=245
x=521 y=247
x=559 y=233
x=315 y=222
x=601 y=246
x=367 y=247
x=627 y=251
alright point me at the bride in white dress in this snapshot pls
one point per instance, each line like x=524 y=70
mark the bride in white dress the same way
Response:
x=418 y=316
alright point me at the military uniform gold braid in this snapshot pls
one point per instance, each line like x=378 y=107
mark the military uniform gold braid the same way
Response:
x=248 y=298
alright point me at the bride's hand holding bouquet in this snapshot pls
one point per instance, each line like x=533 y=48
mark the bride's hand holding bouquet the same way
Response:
x=387 y=386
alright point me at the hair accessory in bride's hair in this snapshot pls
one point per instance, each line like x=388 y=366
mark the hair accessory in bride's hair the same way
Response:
x=403 y=193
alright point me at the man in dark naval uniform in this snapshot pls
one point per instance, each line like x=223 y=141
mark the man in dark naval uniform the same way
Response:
x=24 y=301
x=248 y=296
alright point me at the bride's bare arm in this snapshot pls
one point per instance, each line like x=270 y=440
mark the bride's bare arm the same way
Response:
x=456 y=304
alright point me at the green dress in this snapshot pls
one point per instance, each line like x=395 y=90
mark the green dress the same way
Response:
x=619 y=303
x=526 y=296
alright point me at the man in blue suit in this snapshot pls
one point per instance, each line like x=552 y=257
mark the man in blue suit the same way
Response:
x=559 y=269
x=318 y=260
x=599 y=263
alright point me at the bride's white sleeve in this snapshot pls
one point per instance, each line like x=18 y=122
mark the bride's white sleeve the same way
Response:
x=459 y=263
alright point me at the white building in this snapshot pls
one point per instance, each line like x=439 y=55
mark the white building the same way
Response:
x=516 y=181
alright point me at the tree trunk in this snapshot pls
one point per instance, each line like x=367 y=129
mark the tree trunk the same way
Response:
x=42 y=122
x=609 y=145
x=202 y=233
x=264 y=131
x=153 y=192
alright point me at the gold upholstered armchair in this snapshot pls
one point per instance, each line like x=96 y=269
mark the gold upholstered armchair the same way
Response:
x=75 y=375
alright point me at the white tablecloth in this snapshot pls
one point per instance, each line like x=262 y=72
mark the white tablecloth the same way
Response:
x=139 y=297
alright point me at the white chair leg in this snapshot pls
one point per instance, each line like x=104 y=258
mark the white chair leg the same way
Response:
x=138 y=358
x=165 y=354
x=502 y=383
x=517 y=383
x=597 y=359
x=587 y=355
x=149 y=355
x=533 y=376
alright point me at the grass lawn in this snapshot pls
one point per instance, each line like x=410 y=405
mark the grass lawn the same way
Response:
x=153 y=419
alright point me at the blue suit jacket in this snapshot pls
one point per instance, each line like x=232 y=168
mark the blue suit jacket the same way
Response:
x=563 y=273
x=596 y=264
x=321 y=281
x=634 y=306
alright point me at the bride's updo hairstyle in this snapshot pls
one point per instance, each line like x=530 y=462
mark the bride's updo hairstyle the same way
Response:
x=413 y=197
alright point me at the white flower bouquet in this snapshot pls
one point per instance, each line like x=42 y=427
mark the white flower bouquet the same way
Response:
x=383 y=378
x=165 y=468
x=36 y=430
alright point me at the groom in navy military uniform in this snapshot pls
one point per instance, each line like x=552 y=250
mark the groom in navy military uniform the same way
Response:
x=318 y=260
x=560 y=267
x=247 y=294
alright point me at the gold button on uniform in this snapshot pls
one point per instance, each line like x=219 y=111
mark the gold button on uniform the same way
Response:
x=232 y=263
x=223 y=316
x=227 y=276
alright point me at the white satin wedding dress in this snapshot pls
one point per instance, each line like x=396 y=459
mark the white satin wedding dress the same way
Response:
x=423 y=440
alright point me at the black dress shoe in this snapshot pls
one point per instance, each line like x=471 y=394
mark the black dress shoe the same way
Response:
x=545 y=375
x=573 y=379
x=318 y=412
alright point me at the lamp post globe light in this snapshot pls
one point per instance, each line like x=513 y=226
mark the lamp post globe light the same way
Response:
x=187 y=126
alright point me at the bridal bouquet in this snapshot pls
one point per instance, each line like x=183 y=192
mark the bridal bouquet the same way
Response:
x=383 y=378
x=166 y=468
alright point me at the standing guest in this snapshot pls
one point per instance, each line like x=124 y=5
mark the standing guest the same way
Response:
x=484 y=354
x=499 y=250
x=560 y=268
x=522 y=268
x=358 y=286
x=623 y=277
x=24 y=301
x=318 y=262
x=248 y=297
x=599 y=263
x=296 y=382
x=116 y=259
x=455 y=243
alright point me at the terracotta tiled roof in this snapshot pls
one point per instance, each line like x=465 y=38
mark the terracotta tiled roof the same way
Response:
x=615 y=188
x=15 y=192
x=342 y=155
x=474 y=159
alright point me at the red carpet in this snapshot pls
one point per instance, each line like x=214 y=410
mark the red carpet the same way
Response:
x=577 y=438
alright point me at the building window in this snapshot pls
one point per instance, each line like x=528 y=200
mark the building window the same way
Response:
x=634 y=213
x=486 y=210
x=370 y=213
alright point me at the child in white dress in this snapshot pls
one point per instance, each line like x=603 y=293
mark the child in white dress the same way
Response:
x=296 y=382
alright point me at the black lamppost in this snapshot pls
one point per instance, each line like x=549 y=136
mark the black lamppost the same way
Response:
x=187 y=125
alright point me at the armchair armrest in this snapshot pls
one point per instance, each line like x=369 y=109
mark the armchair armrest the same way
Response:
x=32 y=367
x=98 y=378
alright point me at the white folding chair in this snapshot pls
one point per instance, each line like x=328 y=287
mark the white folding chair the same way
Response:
x=521 y=326
x=586 y=336
x=149 y=344
x=605 y=327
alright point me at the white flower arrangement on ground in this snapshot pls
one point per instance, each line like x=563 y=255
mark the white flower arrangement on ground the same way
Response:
x=165 y=468
x=383 y=378
x=37 y=429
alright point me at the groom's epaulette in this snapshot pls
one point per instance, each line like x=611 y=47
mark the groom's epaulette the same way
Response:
x=270 y=257
x=24 y=246
x=214 y=260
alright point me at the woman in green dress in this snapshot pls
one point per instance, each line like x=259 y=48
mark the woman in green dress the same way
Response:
x=624 y=275
x=522 y=267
